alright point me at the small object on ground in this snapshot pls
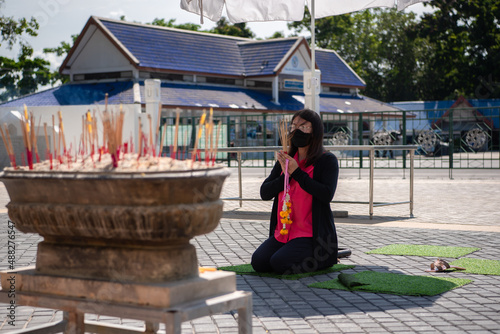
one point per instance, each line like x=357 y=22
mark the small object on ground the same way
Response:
x=441 y=265
x=343 y=252
x=204 y=269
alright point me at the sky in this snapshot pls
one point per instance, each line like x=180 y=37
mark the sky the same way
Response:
x=59 y=19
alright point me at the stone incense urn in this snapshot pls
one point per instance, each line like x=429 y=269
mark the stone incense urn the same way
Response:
x=118 y=226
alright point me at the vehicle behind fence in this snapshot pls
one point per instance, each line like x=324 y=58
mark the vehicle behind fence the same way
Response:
x=447 y=139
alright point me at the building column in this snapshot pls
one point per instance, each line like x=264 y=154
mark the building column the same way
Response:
x=276 y=90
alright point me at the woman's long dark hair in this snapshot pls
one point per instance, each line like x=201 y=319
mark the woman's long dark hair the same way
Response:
x=316 y=146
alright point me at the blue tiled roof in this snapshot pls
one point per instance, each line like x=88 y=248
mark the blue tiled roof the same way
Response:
x=334 y=71
x=242 y=98
x=179 y=50
x=182 y=50
x=262 y=57
x=188 y=95
x=210 y=96
x=78 y=94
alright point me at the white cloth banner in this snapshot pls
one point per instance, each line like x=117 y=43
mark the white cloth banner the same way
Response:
x=283 y=10
x=248 y=10
x=324 y=8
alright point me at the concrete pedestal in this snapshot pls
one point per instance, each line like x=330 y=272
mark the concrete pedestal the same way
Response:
x=170 y=303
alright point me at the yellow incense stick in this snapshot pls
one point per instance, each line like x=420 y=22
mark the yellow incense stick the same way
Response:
x=200 y=131
x=61 y=131
x=89 y=131
x=26 y=118
x=7 y=148
x=150 y=131
x=9 y=141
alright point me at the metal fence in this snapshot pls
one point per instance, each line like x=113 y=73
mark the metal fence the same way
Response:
x=455 y=138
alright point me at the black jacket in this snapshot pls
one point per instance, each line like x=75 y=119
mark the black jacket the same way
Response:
x=322 y=187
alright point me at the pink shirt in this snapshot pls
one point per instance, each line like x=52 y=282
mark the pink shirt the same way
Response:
x=301 y=213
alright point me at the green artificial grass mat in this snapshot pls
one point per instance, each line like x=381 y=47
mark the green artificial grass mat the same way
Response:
x=390 y=283
x=424 y=250
x=478 y=266
x=246 y=269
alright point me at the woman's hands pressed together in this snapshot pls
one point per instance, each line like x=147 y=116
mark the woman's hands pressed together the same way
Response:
x=292 y=164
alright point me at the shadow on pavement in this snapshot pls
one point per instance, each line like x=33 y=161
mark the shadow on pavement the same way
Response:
x=294 y=299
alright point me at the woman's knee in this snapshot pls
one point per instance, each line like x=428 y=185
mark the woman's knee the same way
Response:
x=260 y=264
x=262 y=255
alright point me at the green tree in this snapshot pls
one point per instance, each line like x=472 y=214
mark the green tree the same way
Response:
x=12 y=30
x=26 y=73
x=223 y=27
x=465 y=49
x=277 y=34
x=171 y=24
x=378 y=44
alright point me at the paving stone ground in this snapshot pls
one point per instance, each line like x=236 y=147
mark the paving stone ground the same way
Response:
x=458 y=212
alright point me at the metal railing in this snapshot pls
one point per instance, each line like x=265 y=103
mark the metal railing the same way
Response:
x=371 y=152
x=458 y=138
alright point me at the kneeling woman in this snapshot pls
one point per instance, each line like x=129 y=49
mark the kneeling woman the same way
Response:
x=308 y=242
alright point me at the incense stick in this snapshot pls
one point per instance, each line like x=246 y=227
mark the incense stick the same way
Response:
x=139 y=152
x=89 y=131
x=96 y=133
x=8 y=148
x=47 y=143
x=26 y=138
x=83 y=137
x=177 y=117
x=283 y=133
x=35 y=142
x=200 y=130
x=61 y=132
x=185 y=144
x=208 y=136
x=216 y=145
x=119 y=129
x=162 y=140
x=54 y=137
x=151 y=134
x=7 y=134
x=158 y=120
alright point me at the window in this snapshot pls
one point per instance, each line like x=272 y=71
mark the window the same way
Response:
x=102 y=76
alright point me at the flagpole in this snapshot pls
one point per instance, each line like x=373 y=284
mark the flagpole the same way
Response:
x=313 y=57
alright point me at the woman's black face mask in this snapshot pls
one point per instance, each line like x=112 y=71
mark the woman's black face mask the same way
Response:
x=300 y=138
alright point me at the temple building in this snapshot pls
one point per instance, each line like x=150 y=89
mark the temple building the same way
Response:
x=144 y=68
